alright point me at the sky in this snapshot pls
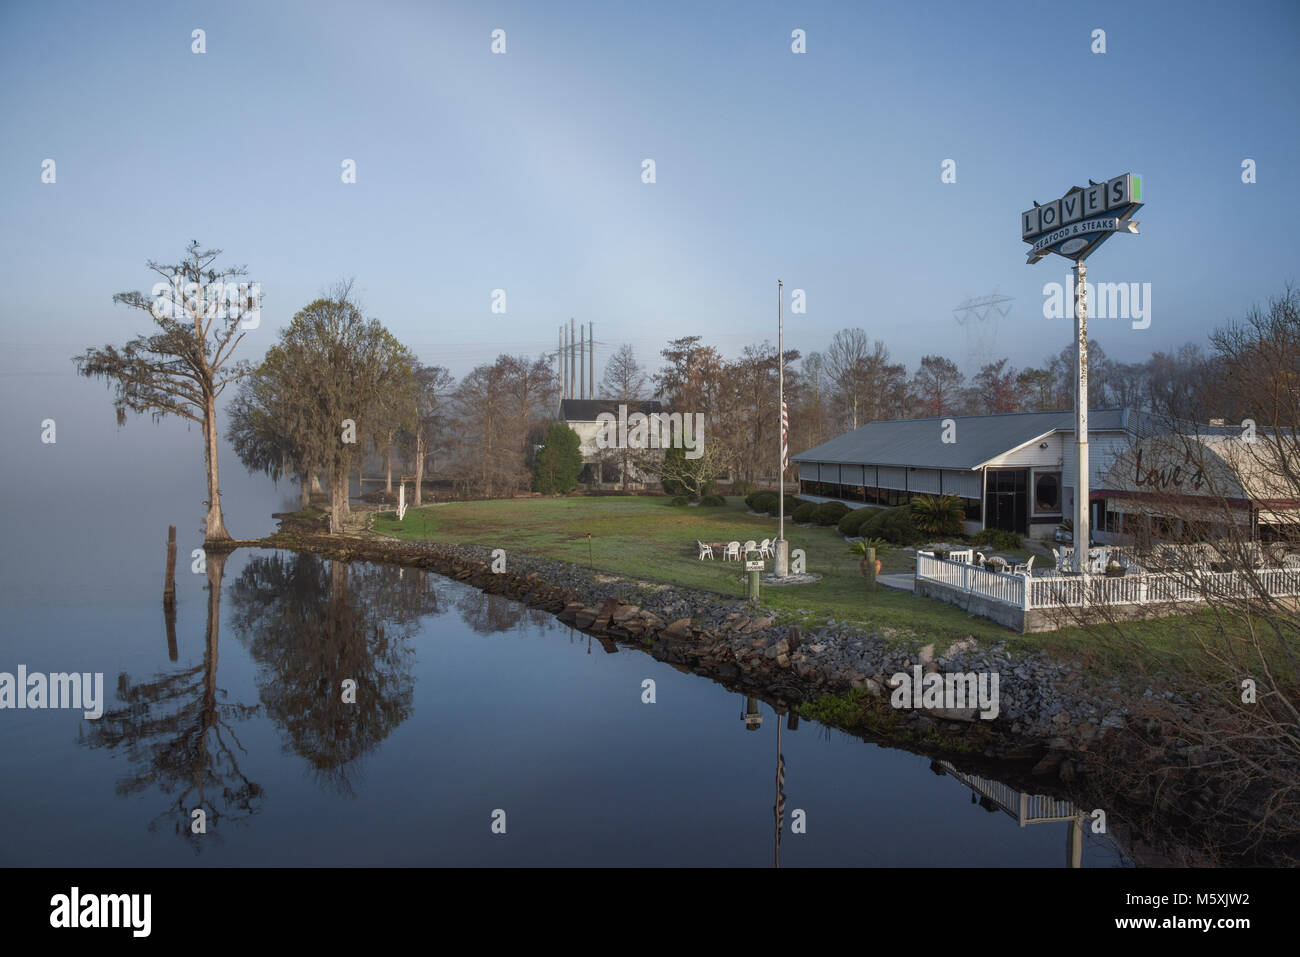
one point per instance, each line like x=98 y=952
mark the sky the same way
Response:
x=522 y=171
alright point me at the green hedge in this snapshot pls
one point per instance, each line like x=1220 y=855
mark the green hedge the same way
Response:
x=803 y=515
x=713 y=501
x=998 y=539
x=851 y=524
x=679 y=500
x=768 y=501
x=894 y=525
x=829 y=513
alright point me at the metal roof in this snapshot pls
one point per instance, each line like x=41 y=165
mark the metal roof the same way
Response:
x=586 y=410
x=919 y=442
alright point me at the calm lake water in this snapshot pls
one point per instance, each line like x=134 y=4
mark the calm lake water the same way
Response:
x=466 y=704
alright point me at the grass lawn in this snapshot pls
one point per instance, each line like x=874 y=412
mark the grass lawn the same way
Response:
x=642 y=537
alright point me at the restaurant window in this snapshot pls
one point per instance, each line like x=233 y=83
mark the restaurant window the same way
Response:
x=1047 y=493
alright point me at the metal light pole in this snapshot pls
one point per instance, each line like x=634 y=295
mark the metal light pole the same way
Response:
x=781 y=561
x=1082 y=512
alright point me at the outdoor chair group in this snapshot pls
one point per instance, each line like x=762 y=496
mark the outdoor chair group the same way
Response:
x=735 y=551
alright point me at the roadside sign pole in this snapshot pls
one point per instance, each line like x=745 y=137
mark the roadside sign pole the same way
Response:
x=1074 y=226
x=1082 y=511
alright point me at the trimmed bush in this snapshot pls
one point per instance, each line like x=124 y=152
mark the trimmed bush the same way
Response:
x=829 y=513
x=850 y=525
x=803 y=515
x=998 y=539
x=713 y=501
x=679 y=500
x=894 y=525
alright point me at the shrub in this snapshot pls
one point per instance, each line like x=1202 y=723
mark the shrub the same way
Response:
x=768 y=501
x=803 y=515
x=998 y=539
x=938 y=514
x=829 y=513
x=678 y=500
x=713 y=501
x=895 y=526
x=851 y=524
x=556 y=468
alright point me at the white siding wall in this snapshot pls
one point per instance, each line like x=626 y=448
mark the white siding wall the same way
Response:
x=1031 y=454
x=1103 y=447
x=808 y=471
x=851 y=474
x=923 y=480
x=892 y=477
x=965 y=484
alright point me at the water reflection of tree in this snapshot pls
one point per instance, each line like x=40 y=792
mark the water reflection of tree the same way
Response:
x=492 y=614
x=177 y=733
x=310 y=625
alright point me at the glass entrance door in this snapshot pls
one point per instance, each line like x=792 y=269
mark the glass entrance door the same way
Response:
x=1006 y=501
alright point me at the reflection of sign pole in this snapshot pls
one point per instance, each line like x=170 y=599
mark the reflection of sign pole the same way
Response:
x=1074 y=226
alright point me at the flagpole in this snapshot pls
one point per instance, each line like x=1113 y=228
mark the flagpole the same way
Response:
x=781 y=562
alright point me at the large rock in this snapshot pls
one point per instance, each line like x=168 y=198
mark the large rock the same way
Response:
x=623 y=612
x=681 y=628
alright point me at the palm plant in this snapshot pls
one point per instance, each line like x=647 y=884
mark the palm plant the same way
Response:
x=938 y=514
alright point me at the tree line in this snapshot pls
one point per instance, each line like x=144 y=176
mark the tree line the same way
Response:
x=338 y=385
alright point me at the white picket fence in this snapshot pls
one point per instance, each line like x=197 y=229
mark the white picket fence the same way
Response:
x=1072 y=591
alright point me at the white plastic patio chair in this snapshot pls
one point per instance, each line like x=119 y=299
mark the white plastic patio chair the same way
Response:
x=732 y=552
x=765 y=548
x=1024 y=568
x=750 y=546
x=706 y=551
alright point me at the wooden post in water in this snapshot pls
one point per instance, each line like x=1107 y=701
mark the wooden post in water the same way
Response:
x=169 y=594
x=169 y=582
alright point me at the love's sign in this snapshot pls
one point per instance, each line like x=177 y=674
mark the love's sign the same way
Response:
x=1081 y=220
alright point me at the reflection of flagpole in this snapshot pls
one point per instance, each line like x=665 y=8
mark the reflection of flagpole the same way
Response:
x=779 y=808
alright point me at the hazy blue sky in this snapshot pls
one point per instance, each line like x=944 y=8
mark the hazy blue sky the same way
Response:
x=523 y=171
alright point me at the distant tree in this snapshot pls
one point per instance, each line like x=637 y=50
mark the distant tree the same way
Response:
x=937 y=386
x=694 y=477
x=333 y=367
x=810 y=409
x=500 y=409
x=846 y=361
x=691 y=376
x=431 y=419
x=265 y=427
x=624 y=378
x=556 y=468
x=1037 y=390
x=993 y=388
x=183 y=367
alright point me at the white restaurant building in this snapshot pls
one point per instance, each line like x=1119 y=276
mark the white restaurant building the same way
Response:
x=1016 y=471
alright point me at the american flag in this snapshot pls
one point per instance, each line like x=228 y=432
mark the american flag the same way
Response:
x=785 y=431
